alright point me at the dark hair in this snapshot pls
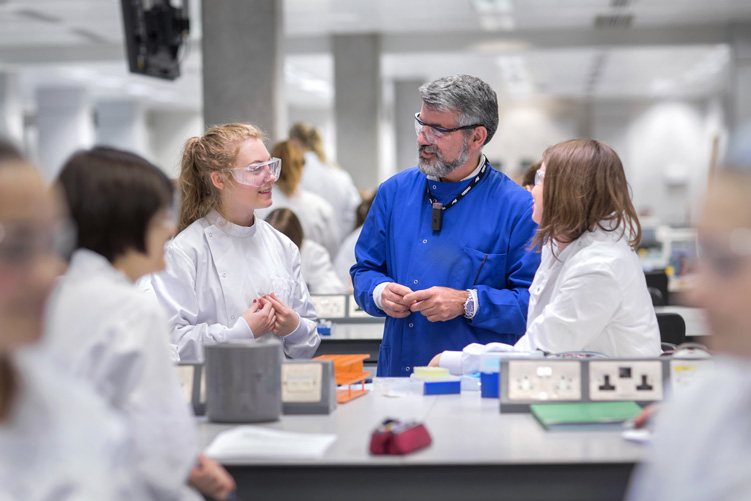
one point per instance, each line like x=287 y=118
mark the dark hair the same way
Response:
x=361 y=213
x=112 y=196
x=285 y=221
x=528 y=179
x=585 y=186
x=8 y=151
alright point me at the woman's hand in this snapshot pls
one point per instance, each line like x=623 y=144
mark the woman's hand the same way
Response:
x=261 y=317
x=287 y=319
x=211 y=479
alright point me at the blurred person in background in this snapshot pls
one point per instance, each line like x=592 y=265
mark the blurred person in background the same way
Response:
x=58 y=440
x=317 y=270
x=345 y=258
x=702 y=438
x=325 y=178
x=315 y=214
x=105 y=331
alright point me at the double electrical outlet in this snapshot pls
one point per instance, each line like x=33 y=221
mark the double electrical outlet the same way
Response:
x=523 y=382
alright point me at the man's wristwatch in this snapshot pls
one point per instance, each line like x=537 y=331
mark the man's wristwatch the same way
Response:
x=470 y=307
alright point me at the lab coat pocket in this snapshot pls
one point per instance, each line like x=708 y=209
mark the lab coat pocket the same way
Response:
x=282 y=287
x=484 y=268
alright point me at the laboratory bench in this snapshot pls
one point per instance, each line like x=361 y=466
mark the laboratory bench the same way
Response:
x=477 y=453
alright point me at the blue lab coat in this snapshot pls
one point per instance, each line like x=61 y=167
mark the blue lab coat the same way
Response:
x=397 y=244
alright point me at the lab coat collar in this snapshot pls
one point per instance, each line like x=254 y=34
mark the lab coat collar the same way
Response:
x=587 y=238
x=231 y=229
x=85 y=262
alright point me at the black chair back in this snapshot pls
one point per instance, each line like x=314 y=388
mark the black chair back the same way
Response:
x=672 y=328
x=658 y=279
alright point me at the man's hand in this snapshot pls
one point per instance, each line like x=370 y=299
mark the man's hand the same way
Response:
x=438 y=304
x=392 y=300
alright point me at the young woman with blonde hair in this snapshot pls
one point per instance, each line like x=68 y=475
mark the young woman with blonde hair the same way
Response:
x=230 y=275
x=589 y=293
x=315 y=214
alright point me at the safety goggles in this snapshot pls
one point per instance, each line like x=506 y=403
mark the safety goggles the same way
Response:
x=257 y=174
x=539 y=176
x=22 y=243
x=435 y=131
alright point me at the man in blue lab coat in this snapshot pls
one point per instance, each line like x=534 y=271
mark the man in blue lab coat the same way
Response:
x=444 y=252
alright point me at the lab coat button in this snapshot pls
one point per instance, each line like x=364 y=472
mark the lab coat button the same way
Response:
x=415 y=281
x=224 y=275
x=425 y=241
x=434 y=186
x=407 y=369
x=211 y=234
x=232 y=317
x=411 y=325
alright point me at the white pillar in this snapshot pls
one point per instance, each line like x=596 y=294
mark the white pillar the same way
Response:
x=243 y=78
x=740 y=100
x=357 y=105
x=11 y=109
x=407 y=102
x=122 y=124
x=65 y=124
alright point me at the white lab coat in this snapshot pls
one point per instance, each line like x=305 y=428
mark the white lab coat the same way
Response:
x=336 y=186
x=592 y=296
x=61 y=441
x=702 y=441
x=318 y=271
x=316 y=216
x=345 y=258
x=215 y=269
x=107 y=332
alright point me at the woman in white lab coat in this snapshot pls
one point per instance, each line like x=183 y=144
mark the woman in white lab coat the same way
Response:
x=322 y=178
x=57 y=439
x=317 y=270
x=315 y=214
x=231 y=276
x=589 y=293
x=106 y=331
x=345 y=258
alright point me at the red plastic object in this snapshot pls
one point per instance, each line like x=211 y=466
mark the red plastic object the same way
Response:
x=399 y=438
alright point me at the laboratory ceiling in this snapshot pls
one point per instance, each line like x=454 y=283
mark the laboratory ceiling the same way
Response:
x=527 y=49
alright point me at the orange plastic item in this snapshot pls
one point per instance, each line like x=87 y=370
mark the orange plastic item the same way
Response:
x=348 y=370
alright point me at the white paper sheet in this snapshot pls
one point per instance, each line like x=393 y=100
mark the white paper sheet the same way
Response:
x=252 y=442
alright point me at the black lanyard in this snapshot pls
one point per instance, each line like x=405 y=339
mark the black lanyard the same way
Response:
x=438 y=208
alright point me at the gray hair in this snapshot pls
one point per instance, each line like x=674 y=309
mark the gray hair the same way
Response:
x=470 y=97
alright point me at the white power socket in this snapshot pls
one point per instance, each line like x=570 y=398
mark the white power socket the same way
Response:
x=625 y=380
x=544 y=380
x=330 y=306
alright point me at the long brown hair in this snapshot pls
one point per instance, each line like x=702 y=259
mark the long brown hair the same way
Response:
x=292 y=165
x=585 y=187
x=215 y=151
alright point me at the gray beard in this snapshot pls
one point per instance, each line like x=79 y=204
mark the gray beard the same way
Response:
x=438 y=166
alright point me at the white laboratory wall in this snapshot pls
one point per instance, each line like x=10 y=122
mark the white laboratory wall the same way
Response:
x=122 y=124
x=665 y=147
x=525 y=130
x=169 y=130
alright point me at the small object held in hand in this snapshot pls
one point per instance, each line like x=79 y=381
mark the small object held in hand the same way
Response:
x=399 y=437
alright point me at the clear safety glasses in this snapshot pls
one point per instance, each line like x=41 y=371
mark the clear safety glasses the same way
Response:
x=539 y=176
x=21 y=244
x=257 y=174
x=435 y=131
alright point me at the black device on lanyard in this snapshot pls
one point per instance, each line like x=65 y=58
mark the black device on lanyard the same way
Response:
x=438 y=208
